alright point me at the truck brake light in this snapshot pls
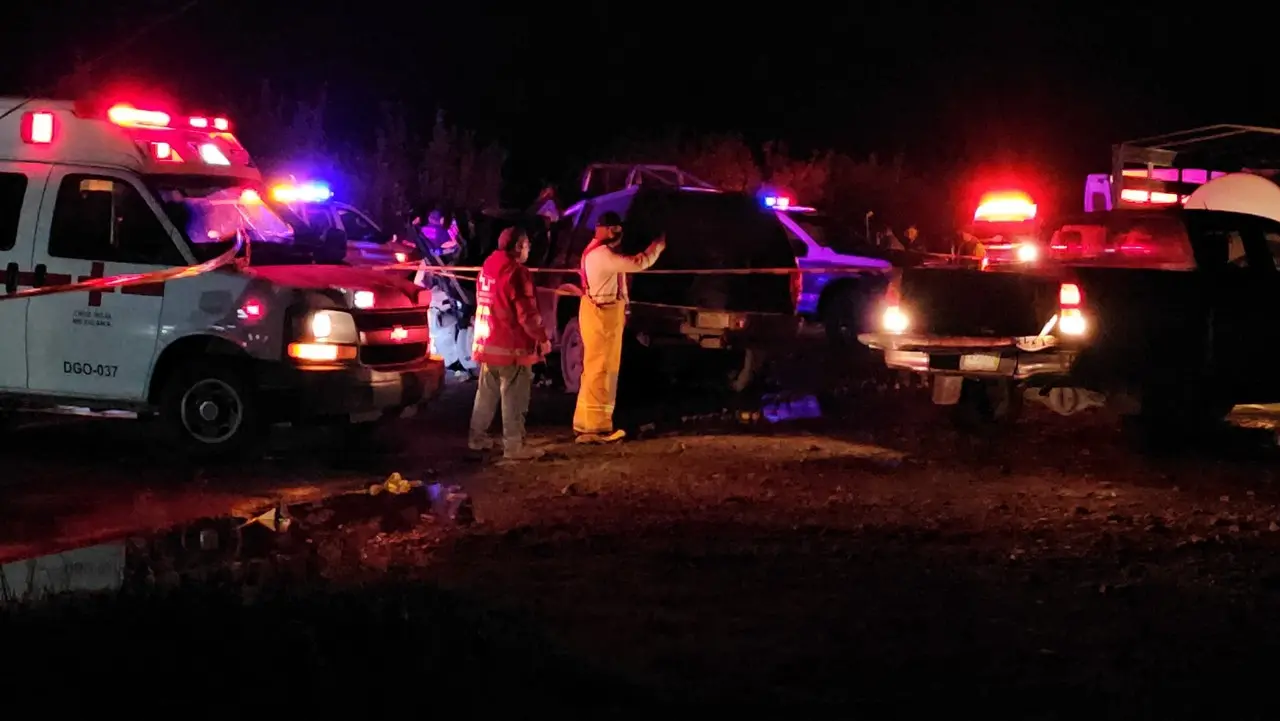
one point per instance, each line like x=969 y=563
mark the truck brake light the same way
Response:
x=1071 y=320
x=1069 y=295
x=894 y=319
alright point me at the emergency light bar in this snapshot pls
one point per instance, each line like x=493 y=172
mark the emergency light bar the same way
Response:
x=304 y=193
x=1163 y=186
x=782 y=202
x=1005 y=208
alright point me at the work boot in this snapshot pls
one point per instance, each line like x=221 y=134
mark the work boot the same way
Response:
x=597 y=438
x=480 y=444
x=524 y=453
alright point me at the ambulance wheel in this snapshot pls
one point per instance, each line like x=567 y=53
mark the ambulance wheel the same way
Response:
x=210 y=408
x=571 y=356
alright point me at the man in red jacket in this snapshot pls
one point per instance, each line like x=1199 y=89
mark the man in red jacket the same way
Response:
x=509 y=339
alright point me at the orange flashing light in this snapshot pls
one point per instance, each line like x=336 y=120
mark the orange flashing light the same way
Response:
x=1012 y=207
x=126 y=115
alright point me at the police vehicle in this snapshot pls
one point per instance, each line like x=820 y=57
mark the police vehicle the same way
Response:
x=367 y=245
x=99 y=190
x=840 y=299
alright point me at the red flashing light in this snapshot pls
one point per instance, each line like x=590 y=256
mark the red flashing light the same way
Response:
x=221 y=125
x=38 y=128
x=126 y=115
x=162 y=151
x=1155 y=197
x=1013 y=207
x=197 y=122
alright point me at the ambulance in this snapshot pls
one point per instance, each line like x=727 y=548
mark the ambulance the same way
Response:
x=93 y=190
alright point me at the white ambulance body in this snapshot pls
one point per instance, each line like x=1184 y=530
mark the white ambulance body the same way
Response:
x=88 y=192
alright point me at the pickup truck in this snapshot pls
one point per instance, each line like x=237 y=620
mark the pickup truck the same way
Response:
x=1161 y=315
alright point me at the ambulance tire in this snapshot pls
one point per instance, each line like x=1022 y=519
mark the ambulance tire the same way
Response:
x=210 y=409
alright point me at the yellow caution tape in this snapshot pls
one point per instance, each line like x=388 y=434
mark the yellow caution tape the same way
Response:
x=132 y=279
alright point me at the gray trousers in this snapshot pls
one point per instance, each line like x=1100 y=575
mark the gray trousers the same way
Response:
x=510 y=385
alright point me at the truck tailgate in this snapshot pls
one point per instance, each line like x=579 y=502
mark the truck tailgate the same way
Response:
x=974 y=303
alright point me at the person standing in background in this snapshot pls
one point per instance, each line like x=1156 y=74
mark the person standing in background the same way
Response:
x=509 y=339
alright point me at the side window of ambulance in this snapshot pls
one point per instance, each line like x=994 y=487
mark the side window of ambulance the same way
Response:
x=13 y=186
x=107 y=219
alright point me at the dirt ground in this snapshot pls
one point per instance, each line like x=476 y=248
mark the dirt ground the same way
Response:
x=870 y=561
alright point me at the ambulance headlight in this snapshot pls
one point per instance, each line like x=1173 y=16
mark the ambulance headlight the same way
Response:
x=332 y=326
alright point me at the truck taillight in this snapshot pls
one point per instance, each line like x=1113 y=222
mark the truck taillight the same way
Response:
x=1071 y=320
x=1069 y=295
x=894 y=319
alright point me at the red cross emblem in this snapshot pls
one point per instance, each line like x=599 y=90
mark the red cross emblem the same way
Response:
x=95 y=271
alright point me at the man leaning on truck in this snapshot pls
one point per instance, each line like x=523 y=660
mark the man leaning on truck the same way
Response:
x=601 y=317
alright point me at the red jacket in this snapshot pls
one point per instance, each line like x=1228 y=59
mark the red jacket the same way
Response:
x=508 y=326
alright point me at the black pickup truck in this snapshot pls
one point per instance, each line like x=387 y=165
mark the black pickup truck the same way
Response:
x=1162 y=316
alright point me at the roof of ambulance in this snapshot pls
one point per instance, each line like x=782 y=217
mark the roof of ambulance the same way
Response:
x=97 y=142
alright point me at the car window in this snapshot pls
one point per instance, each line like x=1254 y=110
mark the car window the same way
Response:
x=798 y=246
x=108 y=219
x=355 y=226
x=13 y=187
x=319 y=220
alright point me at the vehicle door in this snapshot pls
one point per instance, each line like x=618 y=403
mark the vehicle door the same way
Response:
x=21 y=187
x=97 y=223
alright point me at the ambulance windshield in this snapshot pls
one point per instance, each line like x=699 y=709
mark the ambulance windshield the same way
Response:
x=210 y=211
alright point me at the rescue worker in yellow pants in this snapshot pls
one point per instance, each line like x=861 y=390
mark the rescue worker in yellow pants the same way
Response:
x=602 y=315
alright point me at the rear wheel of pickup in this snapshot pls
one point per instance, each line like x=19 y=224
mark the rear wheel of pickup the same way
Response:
x=844 y=316
x=571 y=356
x=210 y=408
x=745 y=369
x=987 y=402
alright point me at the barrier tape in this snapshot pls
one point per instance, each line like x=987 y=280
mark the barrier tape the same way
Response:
x=417 y=265
x=131 y=279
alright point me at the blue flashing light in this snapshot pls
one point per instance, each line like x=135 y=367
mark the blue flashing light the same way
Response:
x=777 y=202
x=313 y=192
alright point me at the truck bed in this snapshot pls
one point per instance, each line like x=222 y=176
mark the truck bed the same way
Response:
x=1138 y=318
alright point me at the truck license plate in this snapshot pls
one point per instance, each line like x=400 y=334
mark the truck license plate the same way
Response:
x=712 y=320
x=979 y=362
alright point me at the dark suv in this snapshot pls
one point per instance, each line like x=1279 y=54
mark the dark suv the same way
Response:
x=682 y=319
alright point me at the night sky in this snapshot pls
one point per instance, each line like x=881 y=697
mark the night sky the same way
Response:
x=1042 y=85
